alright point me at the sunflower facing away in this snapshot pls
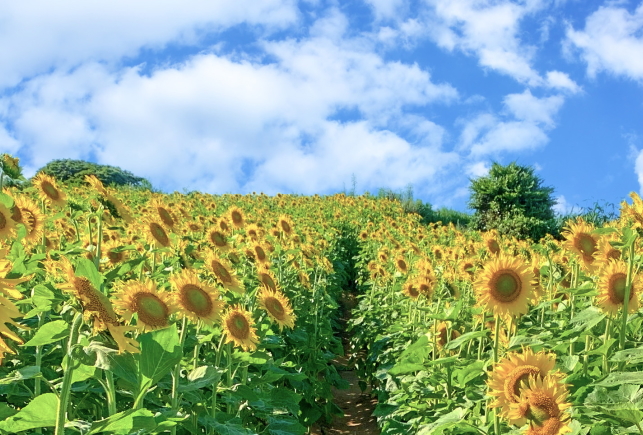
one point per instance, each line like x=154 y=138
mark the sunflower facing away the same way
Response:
x=239 y=328
x=511 y=374
x=98 y=307
x=196 y=300
x=543 y=403
x=48 y=191
x=277 y=306
x=504 y=287
x=611 y=287
x=151 y=306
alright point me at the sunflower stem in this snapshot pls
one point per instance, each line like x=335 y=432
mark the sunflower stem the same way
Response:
x=626 y=297
x=99 y=238
x=65 y=390
x=606 y=337
x=586 y=356
x=111 y=392
x=496 y=339
x=176 y=374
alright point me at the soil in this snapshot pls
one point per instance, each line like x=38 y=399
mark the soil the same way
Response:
x=357 y=406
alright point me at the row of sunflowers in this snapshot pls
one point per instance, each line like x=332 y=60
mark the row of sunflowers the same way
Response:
x=468 y=332
x=125 y=311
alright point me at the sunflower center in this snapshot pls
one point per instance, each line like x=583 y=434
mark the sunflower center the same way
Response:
x=613 y=254
x=617 y=285
x=513 y=383
x=401 y=264
x=165 y=216
x=115 y=257
x=218 y=239
x=159 y=234
x=221 y=272
x=268 y=281
x=151 y=310
x=50 y=190
x=16 y=214
x=196 y=300
x=3 y=221
x=238 y=326
x=286 y=227
x=505 y=286
x=586 y=244
x=236 y=217
x=275 y=308
x=261 y=254
x=542 y=407
x=493 y=246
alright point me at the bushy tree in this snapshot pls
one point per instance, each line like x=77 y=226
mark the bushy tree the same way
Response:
x=512 y=200
x=74 y=171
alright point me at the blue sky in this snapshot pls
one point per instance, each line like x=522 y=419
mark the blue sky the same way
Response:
x=307 y=96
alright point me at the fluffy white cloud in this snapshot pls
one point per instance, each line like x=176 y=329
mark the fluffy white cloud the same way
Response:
x=39 y=35
x=478 y=169
x=523 y=126
x=221 y=124
x=562 y=81
x=638 y=169
x=387 y=9
x=612 y=41
x=562 y=207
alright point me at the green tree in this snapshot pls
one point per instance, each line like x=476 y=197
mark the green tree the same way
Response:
x=512 y=200
x=74 y=171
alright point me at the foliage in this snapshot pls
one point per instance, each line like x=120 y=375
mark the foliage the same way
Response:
x=597 y=215
x=512 y=200
x=73 y=172
x=10 y=171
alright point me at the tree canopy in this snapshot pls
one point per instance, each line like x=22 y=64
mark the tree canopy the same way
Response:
x=74 y=171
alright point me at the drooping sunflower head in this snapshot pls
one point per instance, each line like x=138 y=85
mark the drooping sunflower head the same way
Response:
x=239 y=328
x=224 y=273
x=612 y=285
x=142 y=298
x=543 y=403
x=580 y=239
x=504 y=287
x=196 y=300
x=48 y=191
x=94 y=182
x=510 y=375
x=278 y=307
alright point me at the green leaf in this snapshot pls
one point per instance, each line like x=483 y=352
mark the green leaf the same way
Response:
x=629 y=356
x=6 y=411
x=160 y=352
x=6 y=200
x=283 y=426
x=21 y=374
x=464 y=338
x=229 y=427
x=125 y=423
x=124 y=366
x=49 y=333
x=445 y=422
x=86 y=268
x=40 y=412
x=200 y=377
x=619 y=378
x=417 y=352
x=283 y=398
x=405 y=368
x=469 y=372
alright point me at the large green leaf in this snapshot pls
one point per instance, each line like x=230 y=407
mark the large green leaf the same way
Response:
x=40 y=412
x=50 y=332
x=123 y=423
x=620 y=378
x=200 y=377
x=86 y=268
x=160 y=352
x=464 y=338
x=446 y=421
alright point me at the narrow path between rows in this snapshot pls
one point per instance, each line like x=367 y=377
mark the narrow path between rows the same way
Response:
x=358 y=407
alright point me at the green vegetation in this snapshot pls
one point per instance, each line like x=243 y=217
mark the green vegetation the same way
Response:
x=73 y=172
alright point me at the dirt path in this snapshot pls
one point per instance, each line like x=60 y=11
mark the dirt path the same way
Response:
x=357 y=406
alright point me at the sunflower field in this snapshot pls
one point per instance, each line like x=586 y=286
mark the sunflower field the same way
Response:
x=129 y=312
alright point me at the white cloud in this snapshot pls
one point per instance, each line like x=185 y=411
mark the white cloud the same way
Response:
x=488 y=29
x=562 y=207
x=221 y=124
x=387 y=9
x=39 y=35
x=478 y=169
x=612 y=41
x=523 y=127
x=638 y=169
x=562 y=81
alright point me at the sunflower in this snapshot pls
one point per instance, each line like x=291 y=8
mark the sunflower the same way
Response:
x=122 y=211
x=606 y=251
x=277 y=306
x=504 y=286
x=94 y=182
x=442 y=331
x=611 y=286
x=285 y=225
x=8 y=310
x=196 y=300
x=260 y=254
x=96 y=306
x=152 y=307
x=163 y=212
x=217 y=238
x=491 y=242
x=27 y=212
x=48 y=191
x=254 y=232
x=223 y=225
x=510 y=375
x=224 y=273
x=239 y=329
x=7 y=225
x=155 y=233
x=411 y=290
x=579 y=238
x=401 y=264
x=267 y=278
x=236 y=217
x=634 y=211
x=543 y=402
